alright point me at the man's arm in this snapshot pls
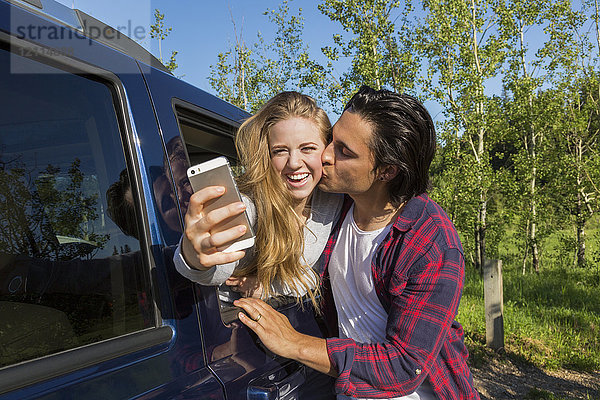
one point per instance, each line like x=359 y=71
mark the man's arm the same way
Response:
x=422 y=309
x=278 y=335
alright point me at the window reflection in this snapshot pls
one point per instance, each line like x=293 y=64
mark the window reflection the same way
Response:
x=69 y=275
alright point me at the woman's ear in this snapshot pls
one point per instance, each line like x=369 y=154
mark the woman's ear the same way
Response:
x=388 y=173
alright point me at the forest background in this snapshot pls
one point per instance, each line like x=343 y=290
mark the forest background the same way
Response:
x=517 y=171
x=517 y=168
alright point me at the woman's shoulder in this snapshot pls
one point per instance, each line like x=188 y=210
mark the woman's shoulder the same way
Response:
x=321 y=198
x=326 y=206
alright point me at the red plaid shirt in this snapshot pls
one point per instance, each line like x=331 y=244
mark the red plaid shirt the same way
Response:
x=418 y=274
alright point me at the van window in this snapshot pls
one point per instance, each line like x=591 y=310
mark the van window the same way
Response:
x=206 y=138
x=71 y=272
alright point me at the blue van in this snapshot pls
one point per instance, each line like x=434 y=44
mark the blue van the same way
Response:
x=95 y=140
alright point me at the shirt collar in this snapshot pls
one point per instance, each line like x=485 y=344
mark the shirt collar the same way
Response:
x=412 y=212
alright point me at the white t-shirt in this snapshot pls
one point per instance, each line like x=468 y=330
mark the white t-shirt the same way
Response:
x=361 y=316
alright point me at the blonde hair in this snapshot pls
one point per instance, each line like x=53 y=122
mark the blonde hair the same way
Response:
x=279 y=244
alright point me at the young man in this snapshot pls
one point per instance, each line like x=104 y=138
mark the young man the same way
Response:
x=393 y=269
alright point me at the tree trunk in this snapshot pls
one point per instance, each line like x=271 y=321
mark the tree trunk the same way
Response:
x=377 y=79
x=526 y=248
x=160 y=50
x=597 y=22
x=482 y=214
x=533 y=232
x=535 y=260
x=580 y=217
x=482 y=229
x=478 y=261
x=580 y=220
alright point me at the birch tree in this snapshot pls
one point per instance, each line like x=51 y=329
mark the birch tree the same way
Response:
x=248 y=75
x=574 y=55
x=159 y=31
x=529 y=115
x=235 y=76
x=458 y=39
x=379 y=50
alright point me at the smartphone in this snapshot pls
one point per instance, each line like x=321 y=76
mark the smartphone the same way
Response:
x=217 y=172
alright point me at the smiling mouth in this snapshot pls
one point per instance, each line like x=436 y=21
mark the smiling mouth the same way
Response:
x=297 y=179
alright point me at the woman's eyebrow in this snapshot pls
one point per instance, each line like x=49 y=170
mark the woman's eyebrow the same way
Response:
x=308 y=142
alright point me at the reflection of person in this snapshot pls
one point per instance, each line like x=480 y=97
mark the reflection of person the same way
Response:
x=166 y=198
x=165 y=202
x=121 y=209
x=121 y=205
x=280 y=148
x=79 y=300
x=394 y=266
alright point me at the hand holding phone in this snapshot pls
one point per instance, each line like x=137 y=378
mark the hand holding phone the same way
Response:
x=225 y=218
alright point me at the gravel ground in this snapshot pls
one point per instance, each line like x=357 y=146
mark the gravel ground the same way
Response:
x=504 y=379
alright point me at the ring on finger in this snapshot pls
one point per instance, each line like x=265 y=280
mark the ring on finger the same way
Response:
x=258 y=317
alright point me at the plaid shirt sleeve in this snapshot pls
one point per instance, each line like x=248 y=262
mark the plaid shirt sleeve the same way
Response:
x=419 y=279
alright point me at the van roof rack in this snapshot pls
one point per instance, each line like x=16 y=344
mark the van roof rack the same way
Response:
x=117 y=40
x=90 y=26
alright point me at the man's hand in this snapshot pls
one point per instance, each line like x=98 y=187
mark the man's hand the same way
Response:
x=279 y=336
x=201 y=249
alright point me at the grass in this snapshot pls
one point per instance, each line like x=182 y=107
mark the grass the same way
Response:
x=538 y=394
x=551 y=319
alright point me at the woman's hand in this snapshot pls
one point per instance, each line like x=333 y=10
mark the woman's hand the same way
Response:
x=247 y=286
x=273 y=328
x=278 y=335
x=201 y=249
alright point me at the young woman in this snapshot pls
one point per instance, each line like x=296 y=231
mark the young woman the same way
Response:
x=280 y=149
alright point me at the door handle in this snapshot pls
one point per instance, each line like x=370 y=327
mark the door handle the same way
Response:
x=281 y=384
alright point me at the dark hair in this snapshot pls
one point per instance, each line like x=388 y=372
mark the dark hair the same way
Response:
x=403 y=135
x=121 y=210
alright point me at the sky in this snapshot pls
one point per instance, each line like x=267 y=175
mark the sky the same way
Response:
x=201 y=29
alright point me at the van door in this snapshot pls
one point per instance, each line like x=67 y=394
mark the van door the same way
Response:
x=87 y=306
x=204 y=127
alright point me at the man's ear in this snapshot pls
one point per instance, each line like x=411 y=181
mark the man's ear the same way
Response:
x=388 y=172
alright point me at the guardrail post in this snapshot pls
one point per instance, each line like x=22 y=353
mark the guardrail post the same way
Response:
x=494 y=304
